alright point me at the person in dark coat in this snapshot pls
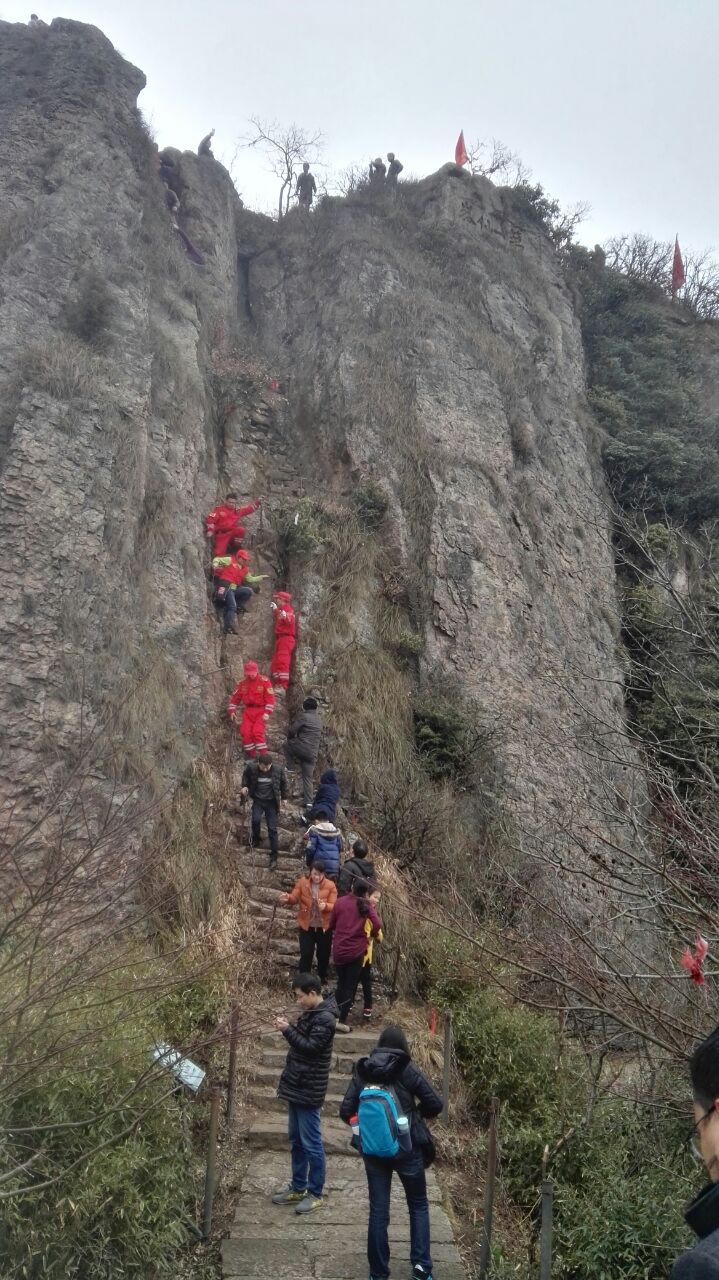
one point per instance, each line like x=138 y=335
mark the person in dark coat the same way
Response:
x=357 y=867
x=303 y=1086
x=205 y=149
x=394 y=170
x=266 y=785
x=702 y=1215
x=391 y=1064
x=303 y=746
x=326 y=796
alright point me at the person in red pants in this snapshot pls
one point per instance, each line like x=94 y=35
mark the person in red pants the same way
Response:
x=254 y=694
x=225 y=523
x=285 y=638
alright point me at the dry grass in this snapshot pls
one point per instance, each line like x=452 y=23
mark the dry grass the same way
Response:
x=64 y=367
x=370 y=713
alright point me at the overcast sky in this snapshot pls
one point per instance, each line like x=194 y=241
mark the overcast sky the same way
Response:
x=613 y=102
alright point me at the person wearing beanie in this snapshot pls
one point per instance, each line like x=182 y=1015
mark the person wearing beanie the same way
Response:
x=254 y=694
x=285 y=639
x=303 y=746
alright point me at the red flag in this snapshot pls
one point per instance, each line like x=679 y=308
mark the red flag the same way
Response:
x=678 y=276
x=460 y=151
x=693 y=962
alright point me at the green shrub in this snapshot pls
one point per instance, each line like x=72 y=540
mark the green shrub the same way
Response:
x=88 y=311
x=371 y=503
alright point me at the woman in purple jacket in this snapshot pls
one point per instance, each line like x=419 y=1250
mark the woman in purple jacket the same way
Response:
x=353 y=921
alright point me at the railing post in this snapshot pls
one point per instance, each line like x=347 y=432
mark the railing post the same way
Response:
x=447 y=1066
x=211 y=1170
x=395 y=971
x=484 y=1252
x=545 y=1238
x=232 y=1064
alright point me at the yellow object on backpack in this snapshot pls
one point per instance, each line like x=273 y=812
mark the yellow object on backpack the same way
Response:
x=370 y=942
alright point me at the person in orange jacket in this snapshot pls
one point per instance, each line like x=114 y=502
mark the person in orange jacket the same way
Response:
x=254 y=694
x=314 y=895
x=225 y=523
x=285 y=639
x=230 y=573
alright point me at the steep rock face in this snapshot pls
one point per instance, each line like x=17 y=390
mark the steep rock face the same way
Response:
x=433 y=346
x=427 y=342
x=107 y=435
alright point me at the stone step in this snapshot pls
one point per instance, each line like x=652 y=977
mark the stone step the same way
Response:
x=253 y=1258
x=266 y=1100
x=257 y=859
x=342 y=1062
x=286 y=840
x=269 y=1133
x=275 y=879
x=363 y=1041
x=268 y=1077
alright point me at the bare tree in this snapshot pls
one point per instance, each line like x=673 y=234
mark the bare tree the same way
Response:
x=490 y=158
x=641 y=257
x=286 y=148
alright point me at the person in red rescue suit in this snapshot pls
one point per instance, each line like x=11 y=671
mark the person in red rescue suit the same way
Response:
x=254 y=694
x=230 y=574
x=225 y=523
x=285 y=638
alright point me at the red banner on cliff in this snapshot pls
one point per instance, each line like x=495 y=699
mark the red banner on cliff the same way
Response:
x=678 y=276
x=460 y=151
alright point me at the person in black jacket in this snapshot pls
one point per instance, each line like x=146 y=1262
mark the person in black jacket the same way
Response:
x=303 y=746
x=357 y=867
x=702 y=1262
x=391 y=1064
x=326 y=796
x=303 y=1085
x=266 y=784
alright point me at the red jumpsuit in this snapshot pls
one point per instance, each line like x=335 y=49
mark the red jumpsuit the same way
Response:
x=223 y=523
x=285 y=637
x=254 y=694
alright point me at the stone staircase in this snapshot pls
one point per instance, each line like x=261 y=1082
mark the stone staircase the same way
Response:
x=269 y=1241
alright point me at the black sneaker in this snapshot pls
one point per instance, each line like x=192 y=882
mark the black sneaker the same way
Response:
x=420 y=1273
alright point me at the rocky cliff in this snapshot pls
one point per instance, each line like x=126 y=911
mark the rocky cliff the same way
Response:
x=426 y=344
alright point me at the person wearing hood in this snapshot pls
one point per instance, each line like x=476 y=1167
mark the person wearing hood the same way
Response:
x=324 y=841
x=285 y=639
x=326 y=796
x=254 y=694
x=702 y=1261
x=390 y=1064
x=303 y=1086
x=303 y=746
x=350 y=938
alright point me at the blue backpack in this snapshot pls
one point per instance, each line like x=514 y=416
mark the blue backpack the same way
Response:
x=383 y=1129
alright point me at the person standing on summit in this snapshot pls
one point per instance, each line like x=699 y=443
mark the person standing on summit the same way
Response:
x=377 y=172
x=306 y=187
x=394 y=170
x=204 y=148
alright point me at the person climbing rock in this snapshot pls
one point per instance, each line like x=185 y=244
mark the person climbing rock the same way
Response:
x=35 y=21
x=172 y=201
x=232 y=586
x=285 y=639
x=266 y=785
x=394 y=170
x=349 y=943
x=326 y=796
x=303 y=1086
x=314 y=895
x=356 y=867
x=204 y=148
x=225 y=522
x=390 y=1065
x=303 y=745
x=306 y=186
x=324 y=841
x=254 y=694
x=377 y=171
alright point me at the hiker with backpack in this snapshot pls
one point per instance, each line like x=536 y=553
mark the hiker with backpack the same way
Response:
x=386 y=1104
x=303 y=1086
x=324 y=841
x=350 y=937
x=314 y=895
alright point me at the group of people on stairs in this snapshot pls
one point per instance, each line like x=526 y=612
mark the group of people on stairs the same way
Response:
x=386 y=1106
x=337 y=921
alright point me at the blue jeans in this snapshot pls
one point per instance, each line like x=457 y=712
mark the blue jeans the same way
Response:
x=308 y=1154
x=379 y=1184
x=232 y=598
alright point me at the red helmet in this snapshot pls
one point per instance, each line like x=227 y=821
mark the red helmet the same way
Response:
x=284 y=596
x=242 y=554
x=251 y=669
